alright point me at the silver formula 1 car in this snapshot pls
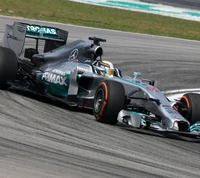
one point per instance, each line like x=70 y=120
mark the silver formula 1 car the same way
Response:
x=75 y=74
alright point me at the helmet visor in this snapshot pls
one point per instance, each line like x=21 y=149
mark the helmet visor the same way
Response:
x=109 y=72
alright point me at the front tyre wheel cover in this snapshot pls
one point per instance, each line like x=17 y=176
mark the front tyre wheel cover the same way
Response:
x=191 y=102
x=107 y=104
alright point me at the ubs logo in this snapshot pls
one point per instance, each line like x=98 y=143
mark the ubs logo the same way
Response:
x=73 y=55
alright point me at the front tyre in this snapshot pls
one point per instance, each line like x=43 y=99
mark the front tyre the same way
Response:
x=191 y=110
x=109 y=100
x=8 y=66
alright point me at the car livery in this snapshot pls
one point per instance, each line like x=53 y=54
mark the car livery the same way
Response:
x=75 y=74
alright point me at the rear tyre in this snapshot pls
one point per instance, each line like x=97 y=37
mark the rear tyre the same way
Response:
x=191 y=102
x=109 y=100
x=8 y=66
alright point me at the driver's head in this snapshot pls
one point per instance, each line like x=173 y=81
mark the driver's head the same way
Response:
x=109 y=68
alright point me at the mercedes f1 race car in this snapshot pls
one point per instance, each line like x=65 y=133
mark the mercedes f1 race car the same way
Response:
x=76 y=74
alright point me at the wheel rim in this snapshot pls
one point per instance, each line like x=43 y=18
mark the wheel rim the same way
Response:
x=99 y=99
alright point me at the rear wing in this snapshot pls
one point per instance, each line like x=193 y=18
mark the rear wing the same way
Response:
x=14 y=36
x=45 y=33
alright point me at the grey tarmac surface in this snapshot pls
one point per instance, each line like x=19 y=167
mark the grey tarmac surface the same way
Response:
x=40 y=138
x=189 y=4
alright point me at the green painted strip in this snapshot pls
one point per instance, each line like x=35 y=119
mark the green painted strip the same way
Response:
x=147 y=7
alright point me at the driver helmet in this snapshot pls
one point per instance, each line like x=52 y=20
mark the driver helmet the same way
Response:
x=109 y=68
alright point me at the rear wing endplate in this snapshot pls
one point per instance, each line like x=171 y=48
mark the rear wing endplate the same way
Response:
x=14 y=37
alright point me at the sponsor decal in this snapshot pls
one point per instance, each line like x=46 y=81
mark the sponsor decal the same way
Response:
x=152 y=89
x=88 y=61
x=12 y=37
x=50 y=31
x=54 y=78
x=80 y=69
x=38 y=29
x=56 y=71
x=73 y=55
x=20 y=29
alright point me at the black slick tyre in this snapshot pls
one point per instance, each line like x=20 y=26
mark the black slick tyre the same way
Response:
x=109 y=100
x=8 y=66
x=191 y=102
